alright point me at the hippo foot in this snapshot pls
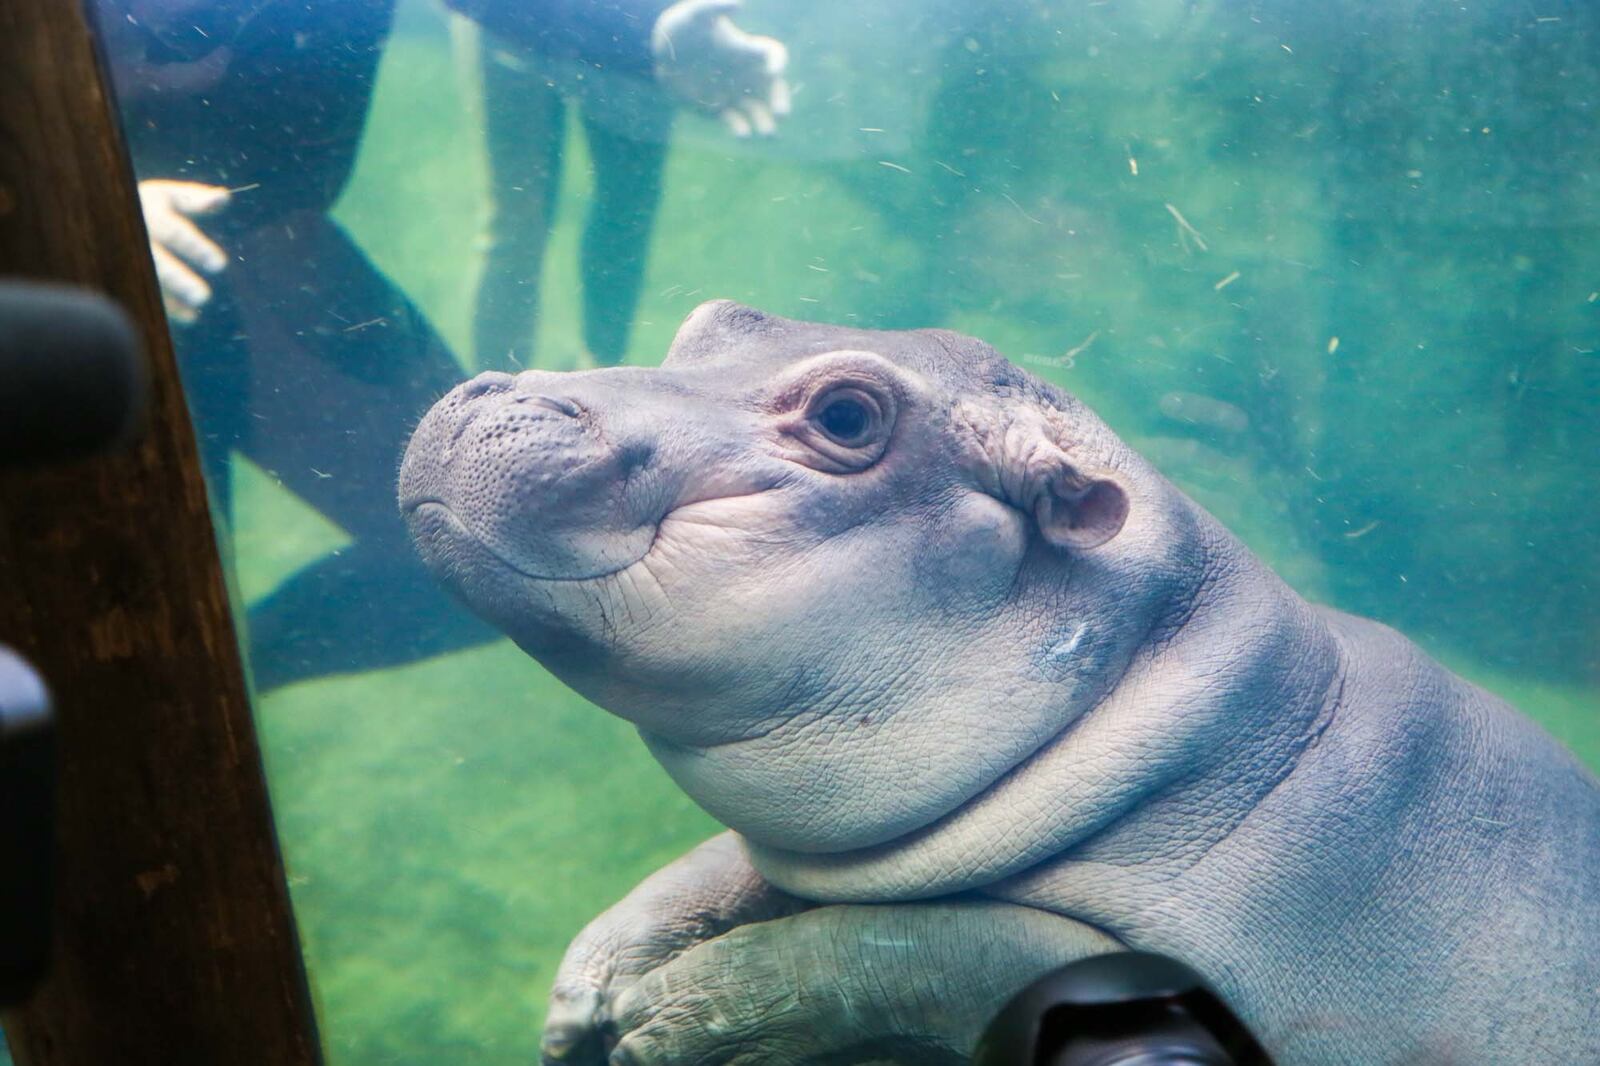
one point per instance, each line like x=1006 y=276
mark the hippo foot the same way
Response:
x=706 y=893
x=687 y=969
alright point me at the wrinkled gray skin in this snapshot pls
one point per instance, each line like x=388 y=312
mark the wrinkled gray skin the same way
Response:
x=981 y=693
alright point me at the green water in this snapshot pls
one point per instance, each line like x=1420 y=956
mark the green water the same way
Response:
x=1337 y=274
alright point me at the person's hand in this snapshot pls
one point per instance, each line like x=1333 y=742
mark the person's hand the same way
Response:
x=181 y=250
x=715 y=66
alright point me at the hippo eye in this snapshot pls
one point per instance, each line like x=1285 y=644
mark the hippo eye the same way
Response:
x=844 y=420
x=847 y=416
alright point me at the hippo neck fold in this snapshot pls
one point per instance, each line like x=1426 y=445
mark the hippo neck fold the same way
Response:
x=1244 y=686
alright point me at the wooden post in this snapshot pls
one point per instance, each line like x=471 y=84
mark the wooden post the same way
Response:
x=174 y=937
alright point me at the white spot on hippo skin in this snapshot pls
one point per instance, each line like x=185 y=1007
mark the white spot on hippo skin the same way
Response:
x=895 y=942
x=1063 y=651
x=1068 y=656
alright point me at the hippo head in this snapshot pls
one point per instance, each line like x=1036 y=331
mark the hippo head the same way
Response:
x=841 y=580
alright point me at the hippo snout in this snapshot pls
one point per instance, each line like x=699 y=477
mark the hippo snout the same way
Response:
x=523 y=469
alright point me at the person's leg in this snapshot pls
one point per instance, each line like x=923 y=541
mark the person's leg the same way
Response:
x=344 y=366
x=214 y=367
x=524 y=124
x=616 y=238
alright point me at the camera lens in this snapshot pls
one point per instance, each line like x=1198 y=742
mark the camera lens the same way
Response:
x=1196 y=1049
x=1172 y=1040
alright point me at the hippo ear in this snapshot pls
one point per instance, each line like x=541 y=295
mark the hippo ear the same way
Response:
x=712 y=329
x=1077 y=510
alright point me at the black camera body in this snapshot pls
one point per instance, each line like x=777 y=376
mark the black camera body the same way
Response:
x=27 y=825
x=1131 y=1008
x=71 y=384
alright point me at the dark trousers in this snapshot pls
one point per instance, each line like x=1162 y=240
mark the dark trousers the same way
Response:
x=309 y=361
x=525 y=120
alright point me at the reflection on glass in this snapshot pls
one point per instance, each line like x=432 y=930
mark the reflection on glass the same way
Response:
x=1333 y=269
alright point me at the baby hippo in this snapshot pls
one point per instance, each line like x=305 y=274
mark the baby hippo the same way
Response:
x=979 y=693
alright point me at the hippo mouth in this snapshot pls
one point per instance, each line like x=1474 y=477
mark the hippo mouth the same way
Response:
x=419 y=509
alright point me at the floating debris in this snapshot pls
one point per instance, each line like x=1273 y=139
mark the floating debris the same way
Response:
x=1333 y=345
x=1018 y=206
x=1191 y=408
x=893 y=166
x=1363 y=531
x=1185 y=230
x=1225 y=282
x=1073 y=353
x=1064 y=361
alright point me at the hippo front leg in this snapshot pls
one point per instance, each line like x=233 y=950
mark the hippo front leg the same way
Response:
x=706 y=893
x=908 y=983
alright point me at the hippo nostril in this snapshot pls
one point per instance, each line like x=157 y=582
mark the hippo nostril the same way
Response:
x=553 y=403
x=485 y=383
x=465 y=412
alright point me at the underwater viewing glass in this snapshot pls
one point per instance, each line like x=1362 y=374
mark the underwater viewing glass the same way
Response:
x=1332 y=267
